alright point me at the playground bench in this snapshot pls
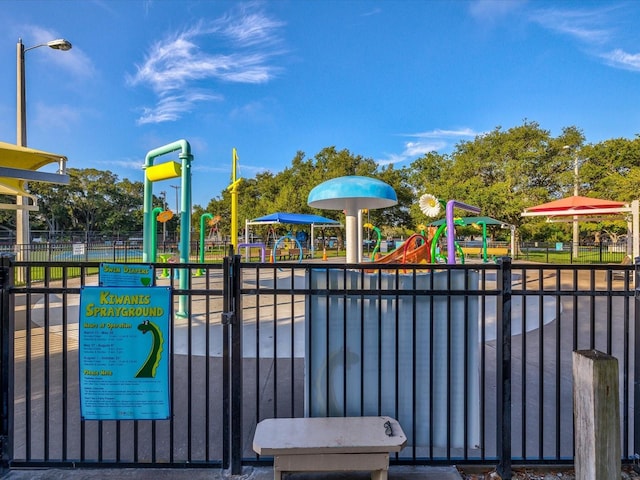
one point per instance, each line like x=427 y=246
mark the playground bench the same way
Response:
x=294 y=253
x=468 y=251
x=491 y=251
x=334 y=444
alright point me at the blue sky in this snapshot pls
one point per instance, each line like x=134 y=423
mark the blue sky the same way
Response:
x=388 y=80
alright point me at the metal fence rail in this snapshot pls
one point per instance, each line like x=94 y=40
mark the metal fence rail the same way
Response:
x=95 y=249
x=474 y=360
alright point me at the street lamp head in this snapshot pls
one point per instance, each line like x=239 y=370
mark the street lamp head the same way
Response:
x=59 y=44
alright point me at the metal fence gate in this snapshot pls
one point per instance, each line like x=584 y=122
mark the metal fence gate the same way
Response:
x=41 y=401
x=473 y=360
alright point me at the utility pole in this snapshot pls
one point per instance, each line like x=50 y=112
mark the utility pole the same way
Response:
x=576 y=192
x=177 y=189
x=164 y=224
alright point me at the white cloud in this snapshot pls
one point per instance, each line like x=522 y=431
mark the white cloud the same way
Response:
x=588 y=26
x=428 y=141
x=172 y=107
x=179 y=63
x=621 y=59
x=125 y=163
x=417 y=149
x=438 y=133
x=595 y=29
x=251 y=29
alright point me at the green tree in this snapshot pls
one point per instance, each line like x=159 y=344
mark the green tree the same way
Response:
x=125 y=214
x=502 y=172
x=398 y=218
x=427 y=174
x=93 y=201
x=611 y=169
x=53 y=212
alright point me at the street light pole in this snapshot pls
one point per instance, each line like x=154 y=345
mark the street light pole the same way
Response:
x=576 y=229
x=22 y=215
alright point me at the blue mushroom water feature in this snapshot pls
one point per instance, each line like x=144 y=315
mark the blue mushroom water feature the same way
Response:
x=360 y=349
x=351 y=194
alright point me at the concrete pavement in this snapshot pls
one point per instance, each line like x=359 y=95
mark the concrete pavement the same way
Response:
x=248 y=473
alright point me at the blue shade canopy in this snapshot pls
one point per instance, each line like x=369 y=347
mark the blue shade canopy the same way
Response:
x=295 y=219
x=358 y=192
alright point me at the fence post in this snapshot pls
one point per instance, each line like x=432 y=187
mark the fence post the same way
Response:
x=232 y=365
x=236 y=372
x=227 y=316
x=503 y=361
x=600 y=251
x=596 y=415
x=636 y=362
x=6 y=361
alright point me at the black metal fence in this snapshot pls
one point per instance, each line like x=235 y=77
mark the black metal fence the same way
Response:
x=473 y=360
x=112 y=251
x=130 y=250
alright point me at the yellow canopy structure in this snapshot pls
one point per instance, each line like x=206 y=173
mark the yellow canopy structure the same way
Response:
x=20 y=164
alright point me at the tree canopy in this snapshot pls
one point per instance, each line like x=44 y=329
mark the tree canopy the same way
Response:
x=501 y=171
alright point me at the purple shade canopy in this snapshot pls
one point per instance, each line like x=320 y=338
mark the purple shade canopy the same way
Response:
x=352 y=191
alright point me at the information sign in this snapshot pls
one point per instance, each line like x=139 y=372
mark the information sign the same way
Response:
x=124 y=350
x=126 y=275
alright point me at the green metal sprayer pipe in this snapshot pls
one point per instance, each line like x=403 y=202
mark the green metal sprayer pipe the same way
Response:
x=185 y=212
x=185 y=150
x=154 y=233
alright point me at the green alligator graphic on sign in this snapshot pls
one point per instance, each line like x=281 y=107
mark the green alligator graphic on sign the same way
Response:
x=148 y=369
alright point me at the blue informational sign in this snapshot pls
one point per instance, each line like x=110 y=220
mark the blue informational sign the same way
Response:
x=124 y=351
x=126 y=274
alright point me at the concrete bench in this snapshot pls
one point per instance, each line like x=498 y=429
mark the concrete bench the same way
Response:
x=335 y=444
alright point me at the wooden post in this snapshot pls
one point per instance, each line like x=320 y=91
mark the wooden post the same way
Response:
x=596 y=411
